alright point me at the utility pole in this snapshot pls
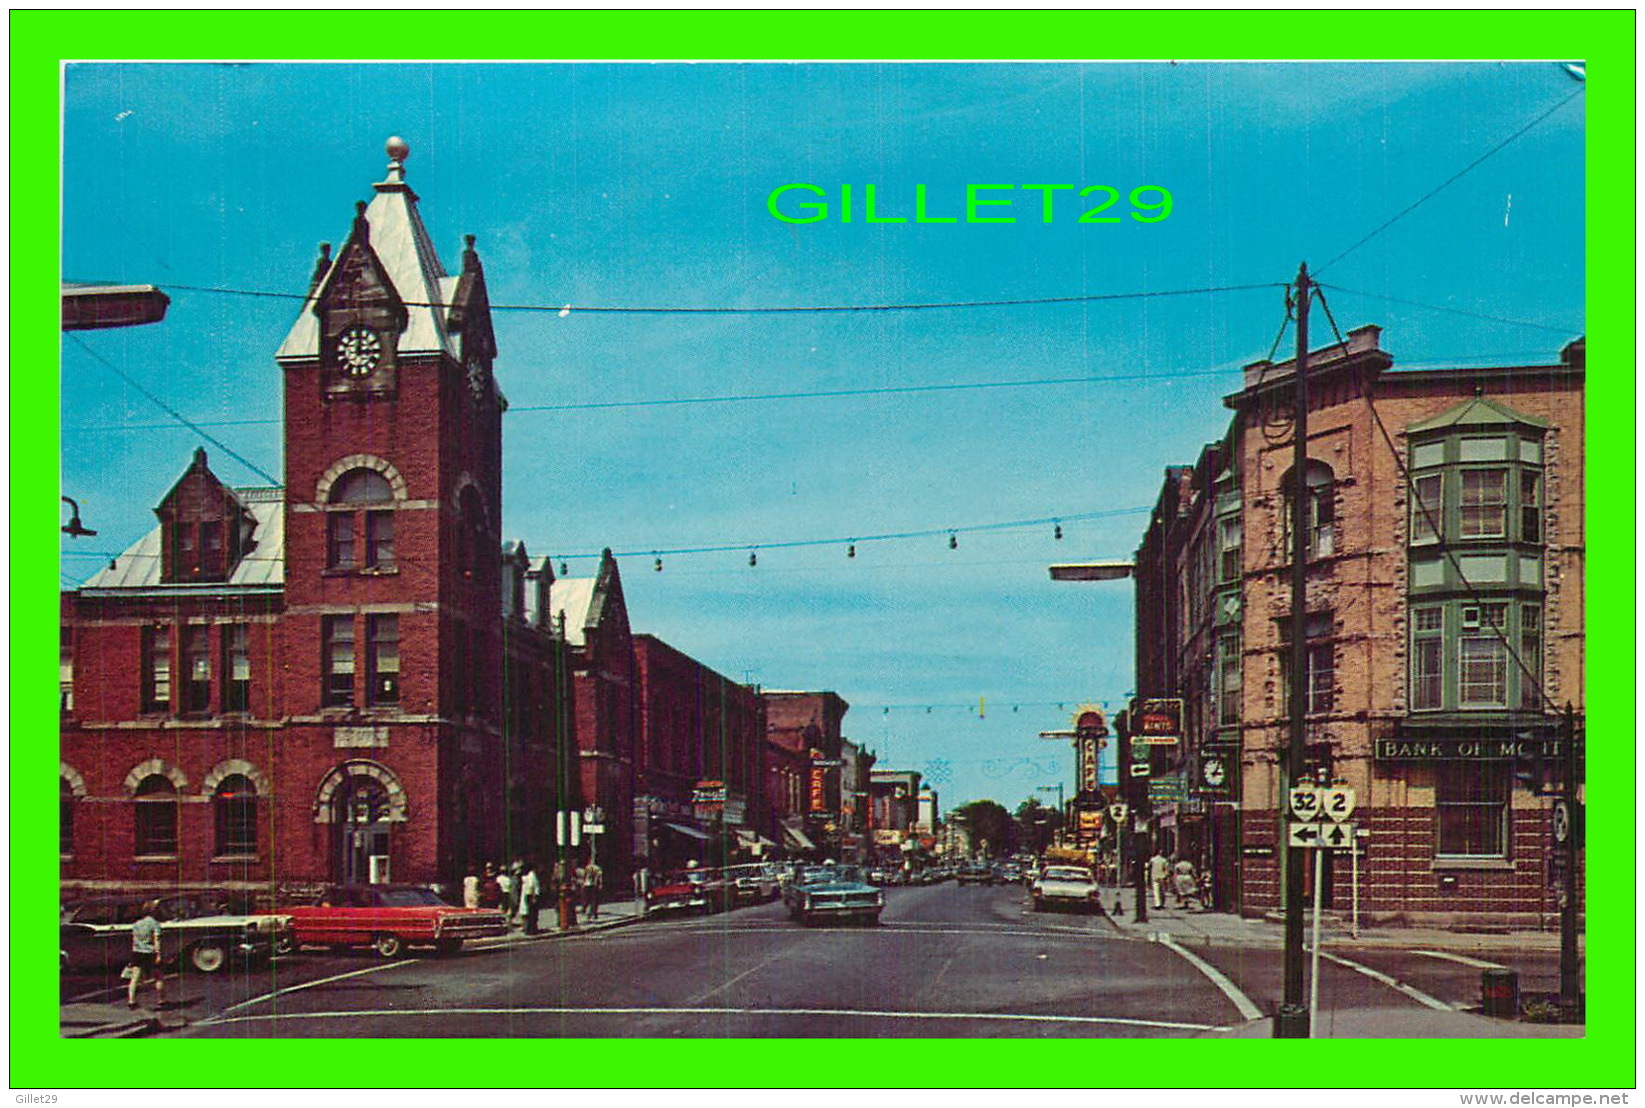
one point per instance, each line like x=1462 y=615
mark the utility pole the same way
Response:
x=1570 y=984
x=1141 y=810
x=1291 y=1022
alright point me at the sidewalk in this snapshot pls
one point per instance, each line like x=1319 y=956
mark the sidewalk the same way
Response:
x=1407 y=1023
x=1190 y=925
x=616 y=913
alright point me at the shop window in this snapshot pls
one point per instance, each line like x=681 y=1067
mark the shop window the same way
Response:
x=338 y=661
x=197 y=668
x=1471 y=806
x=156 y=816
x=236 y=667
x=157 y=669
x=234 y=811
x=383 y=660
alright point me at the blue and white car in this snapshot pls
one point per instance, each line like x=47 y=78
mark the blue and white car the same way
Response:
x=835 y=893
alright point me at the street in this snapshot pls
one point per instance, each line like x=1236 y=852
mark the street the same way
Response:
x=946 y=961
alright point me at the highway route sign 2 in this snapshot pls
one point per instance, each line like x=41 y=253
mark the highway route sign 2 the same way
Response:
x=1118 y=812
x=1338 y=802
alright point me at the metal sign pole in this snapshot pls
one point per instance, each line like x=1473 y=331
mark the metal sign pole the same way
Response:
x=1353 y=847
x=1313 y=984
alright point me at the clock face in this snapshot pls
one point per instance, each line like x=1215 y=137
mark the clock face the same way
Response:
x=360 y=350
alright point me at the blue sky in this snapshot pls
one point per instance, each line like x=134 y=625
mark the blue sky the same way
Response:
x=646 y=185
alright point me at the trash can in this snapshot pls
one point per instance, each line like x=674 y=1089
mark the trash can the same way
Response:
x=1499 y=989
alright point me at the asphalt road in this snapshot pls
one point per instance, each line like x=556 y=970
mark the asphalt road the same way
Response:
x=945 y=961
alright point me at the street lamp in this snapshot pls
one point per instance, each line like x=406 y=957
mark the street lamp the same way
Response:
x=1091 y=571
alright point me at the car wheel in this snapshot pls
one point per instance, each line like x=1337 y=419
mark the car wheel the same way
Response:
x=1038 y=907
x=445 y=948
x=388 y=946
x=285 y=945
x=209 y=956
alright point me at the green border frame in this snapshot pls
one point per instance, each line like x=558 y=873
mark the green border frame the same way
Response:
x=41 y=41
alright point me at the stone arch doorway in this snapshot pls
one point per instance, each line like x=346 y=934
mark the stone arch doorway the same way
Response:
x=361 y=801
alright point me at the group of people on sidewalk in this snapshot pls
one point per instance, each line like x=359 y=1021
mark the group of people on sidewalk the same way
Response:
x=517 y=890
x=1179 y=876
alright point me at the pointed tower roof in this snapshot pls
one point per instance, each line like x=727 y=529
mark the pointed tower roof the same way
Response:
x=392 y=229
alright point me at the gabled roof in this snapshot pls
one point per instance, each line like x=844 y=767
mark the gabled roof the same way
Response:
x=572 y=597
x=402 y=245
x=1478 y=412
x=139 y=566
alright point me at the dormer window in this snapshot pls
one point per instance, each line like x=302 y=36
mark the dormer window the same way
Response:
x=207 y=529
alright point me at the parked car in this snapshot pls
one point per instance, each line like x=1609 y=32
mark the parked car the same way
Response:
x=195 y=930
x=1065 y=887
x=703 y=890
x=976 y=874
x=390 y=918
x=753 y=883
x=841 y=894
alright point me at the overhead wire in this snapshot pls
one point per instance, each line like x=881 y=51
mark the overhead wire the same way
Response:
x=1436 y=526
x=1452 y=179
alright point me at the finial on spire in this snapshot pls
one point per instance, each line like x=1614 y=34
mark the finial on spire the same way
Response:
x=362 y=229
x=321 y=265
x=471 y=260
x=397 y=149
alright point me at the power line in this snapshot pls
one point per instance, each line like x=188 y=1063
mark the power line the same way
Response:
x=610 y=309
x=174 y=413
x=1566 y=331
x=1435 y=526
x=1448 y=182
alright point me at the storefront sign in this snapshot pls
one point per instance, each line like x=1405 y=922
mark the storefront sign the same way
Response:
x=1086 y=745
x=818 y=793
x=1159 y=722
x=1463 y=749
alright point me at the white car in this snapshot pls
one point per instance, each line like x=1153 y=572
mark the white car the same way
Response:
x=1066 y=887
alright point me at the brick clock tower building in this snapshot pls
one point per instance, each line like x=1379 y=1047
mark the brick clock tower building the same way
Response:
x=307 y=684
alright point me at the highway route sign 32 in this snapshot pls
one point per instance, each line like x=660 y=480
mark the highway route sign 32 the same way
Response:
x=1305 y=802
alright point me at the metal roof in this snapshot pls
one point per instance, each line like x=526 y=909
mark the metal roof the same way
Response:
x=402 y=244
x=139 y=566
x=572 y=597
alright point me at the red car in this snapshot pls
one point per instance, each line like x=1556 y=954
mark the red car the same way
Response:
x=389 y=918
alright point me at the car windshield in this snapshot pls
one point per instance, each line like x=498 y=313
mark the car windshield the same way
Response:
x=408 y=898
x=1066 y=873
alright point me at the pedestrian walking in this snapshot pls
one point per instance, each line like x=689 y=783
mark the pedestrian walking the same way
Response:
x=507 y=886
x=471 y=889
x=531 y=892
x=145 y=956
x=593 y=882
x=491 y=894
x=566 y=891
x=1183 y=882
x=1158 y=870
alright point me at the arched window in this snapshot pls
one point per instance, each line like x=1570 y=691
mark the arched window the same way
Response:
x=234 y=806
x=156 y=802
x=1321 y=511
x=353 y=495
x=65 y=824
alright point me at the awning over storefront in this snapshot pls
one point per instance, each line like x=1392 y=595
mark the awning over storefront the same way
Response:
x=798 y=838
x=690 y=831
x=753 y=838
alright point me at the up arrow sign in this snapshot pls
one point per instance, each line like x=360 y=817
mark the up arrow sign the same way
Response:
x=1338 y=834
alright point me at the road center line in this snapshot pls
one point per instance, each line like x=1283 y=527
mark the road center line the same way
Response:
x=312 y=984
x=1477 y=963
x=1217 y=977
x=1398 y=986
x=1009 y=1017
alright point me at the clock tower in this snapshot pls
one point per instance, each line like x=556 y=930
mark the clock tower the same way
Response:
x=393 y=586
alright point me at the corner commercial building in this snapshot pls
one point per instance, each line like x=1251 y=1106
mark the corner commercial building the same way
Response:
x=1445 y=629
